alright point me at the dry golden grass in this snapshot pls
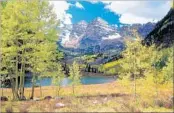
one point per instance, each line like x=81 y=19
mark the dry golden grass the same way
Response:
x=97 y=98
x=107 y=88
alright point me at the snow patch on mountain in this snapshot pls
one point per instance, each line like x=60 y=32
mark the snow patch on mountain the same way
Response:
x=65 y=38
x=83 y=34
x=98 y=35
x=111 y=37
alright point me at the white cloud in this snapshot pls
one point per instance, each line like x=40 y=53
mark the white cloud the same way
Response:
x=139 y=11
x=131 y=19
x=97 y=1
x=78 y=5
x=60 y=8
x=94 y=1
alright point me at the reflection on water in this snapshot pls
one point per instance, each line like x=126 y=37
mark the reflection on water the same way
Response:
x=66 y=81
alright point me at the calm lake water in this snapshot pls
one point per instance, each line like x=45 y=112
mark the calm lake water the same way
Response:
x=66 y=81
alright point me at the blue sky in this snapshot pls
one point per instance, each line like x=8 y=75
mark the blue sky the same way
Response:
x=91 y=11
x=114 y=12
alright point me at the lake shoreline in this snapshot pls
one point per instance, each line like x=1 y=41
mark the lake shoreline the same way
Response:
x=98 y=74
x=86 y=78
x=83 y=74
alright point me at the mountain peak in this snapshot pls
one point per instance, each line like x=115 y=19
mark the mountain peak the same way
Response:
x=82 y=22
x=100 y=20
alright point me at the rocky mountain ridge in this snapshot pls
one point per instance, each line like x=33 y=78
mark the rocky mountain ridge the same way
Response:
x=98 y=35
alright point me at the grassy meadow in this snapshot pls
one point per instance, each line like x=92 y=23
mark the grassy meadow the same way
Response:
x=110 y=97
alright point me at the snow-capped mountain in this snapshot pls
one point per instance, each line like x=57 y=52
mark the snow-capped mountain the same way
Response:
x=98 y=28
x=84 y=36
x=79 y=29
x=98 y=35
x=72 y=34
x=98 y=31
